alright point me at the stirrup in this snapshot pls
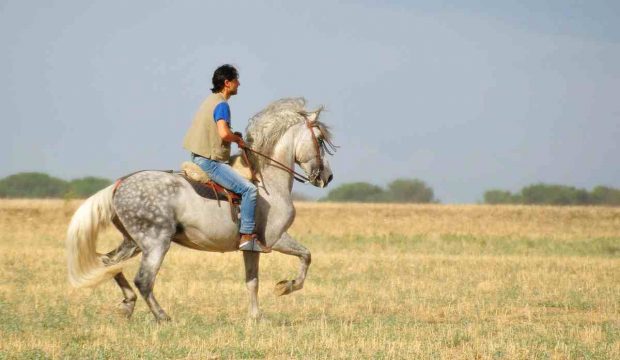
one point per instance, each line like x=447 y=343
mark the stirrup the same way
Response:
x=252 y=245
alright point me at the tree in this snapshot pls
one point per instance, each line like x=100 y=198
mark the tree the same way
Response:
x=603 y=195
x=554 y=195
x=501 y=197
x=359 y=191
x=40 y=185
x=409 y=191
x=549 y=194
x=32 y=185
x=87 y=186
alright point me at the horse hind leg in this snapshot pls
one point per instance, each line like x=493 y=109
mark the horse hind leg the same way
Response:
x=129 y=302
x=154 y=251
x=145 y=204
x=154 y=241
x=288 y=245
x=125 y=251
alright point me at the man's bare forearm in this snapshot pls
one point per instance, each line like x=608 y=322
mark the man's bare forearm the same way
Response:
x=225 y=133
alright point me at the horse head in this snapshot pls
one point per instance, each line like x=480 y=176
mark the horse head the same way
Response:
x=298 y=134
x=313 y=143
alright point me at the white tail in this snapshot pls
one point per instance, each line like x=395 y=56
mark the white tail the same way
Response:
x=85 y=265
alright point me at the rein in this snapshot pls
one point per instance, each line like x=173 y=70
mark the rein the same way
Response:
x=297 y=176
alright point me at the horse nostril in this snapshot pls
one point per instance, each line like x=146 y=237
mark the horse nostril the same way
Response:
x=329 y=179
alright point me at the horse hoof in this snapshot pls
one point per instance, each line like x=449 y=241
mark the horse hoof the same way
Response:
x=283 y=287
x=126 y=308
x=255 y=316
x=162 y=318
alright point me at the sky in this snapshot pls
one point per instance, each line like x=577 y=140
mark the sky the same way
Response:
x=466 y=96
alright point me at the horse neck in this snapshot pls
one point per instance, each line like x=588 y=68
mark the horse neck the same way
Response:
x=275 y=179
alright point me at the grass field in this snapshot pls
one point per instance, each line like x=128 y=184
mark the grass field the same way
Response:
x=387 y=281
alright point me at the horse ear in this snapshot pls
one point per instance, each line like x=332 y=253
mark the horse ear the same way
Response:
x=313 y=116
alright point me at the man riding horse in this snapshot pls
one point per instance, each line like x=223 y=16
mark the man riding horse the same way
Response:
x=209 y=139
x=153 y=209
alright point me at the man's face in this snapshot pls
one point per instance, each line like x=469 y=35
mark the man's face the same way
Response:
x=232 y=86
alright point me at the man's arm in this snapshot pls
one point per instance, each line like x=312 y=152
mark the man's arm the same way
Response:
x=224 y=131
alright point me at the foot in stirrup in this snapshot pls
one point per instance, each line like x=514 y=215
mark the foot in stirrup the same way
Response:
x=249 y=242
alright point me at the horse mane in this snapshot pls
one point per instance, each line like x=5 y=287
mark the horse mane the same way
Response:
x=269 y=125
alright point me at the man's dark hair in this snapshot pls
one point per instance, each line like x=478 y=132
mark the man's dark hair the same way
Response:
x=221 y=74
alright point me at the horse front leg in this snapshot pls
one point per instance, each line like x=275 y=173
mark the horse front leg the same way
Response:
x=250 y=260
x=290 y=246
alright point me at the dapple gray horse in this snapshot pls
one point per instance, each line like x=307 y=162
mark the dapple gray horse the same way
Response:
x=152 y=209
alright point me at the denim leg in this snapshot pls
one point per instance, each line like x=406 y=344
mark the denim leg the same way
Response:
x=226 y=177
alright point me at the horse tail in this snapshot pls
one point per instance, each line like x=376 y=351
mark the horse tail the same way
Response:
x=86 y=267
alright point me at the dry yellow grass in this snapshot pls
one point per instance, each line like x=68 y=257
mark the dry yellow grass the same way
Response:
x=334 y=219
x=387 y=281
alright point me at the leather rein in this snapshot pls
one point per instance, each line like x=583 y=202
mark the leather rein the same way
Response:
x=297 y=176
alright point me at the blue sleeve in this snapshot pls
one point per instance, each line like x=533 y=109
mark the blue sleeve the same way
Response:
x=222 y=112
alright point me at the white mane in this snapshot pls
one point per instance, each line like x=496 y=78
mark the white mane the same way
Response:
x=268 y=126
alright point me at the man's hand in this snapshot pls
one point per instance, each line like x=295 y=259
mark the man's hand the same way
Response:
x=239 y=141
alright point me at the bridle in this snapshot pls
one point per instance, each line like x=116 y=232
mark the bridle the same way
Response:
x=315 y=173
x=297 y=176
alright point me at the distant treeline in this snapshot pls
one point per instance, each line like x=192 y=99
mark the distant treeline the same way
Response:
x=39 y=185
x=417 y=191
x=398 y=191
x=549 y=194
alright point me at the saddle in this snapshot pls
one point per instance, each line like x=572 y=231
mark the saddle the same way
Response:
x=209 y=189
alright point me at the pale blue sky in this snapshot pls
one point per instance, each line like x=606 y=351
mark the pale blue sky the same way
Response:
x=466 y=96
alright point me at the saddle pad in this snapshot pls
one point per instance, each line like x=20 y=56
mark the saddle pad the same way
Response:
x=194 y=172
x=206 y=190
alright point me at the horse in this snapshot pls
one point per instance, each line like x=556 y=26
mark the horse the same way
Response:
x=153 y=209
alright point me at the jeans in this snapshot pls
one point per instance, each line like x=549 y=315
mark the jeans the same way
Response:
x=225 y=176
